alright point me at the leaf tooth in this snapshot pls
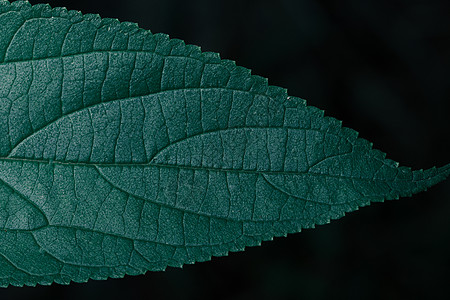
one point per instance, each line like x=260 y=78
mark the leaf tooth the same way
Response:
x=128 y=27
x=391 y=163
x=252 y=242
x=65 y=280
x=206 y=258
x=75 y=16
x=111 y=23
x=418 y=175
x=260 y=80
x=175 y=264
x=197 y=54
x=4 y=4
x=239 y=245
x=194 y=50
x=178 y=47
x=161 y=37
x=245 y=73
x=258 y=243
x=298 y=100
x=402 y=169
x=60 y=12
x=45 y=281
x=228 y=63
x=211 y=57
x=297 y=228
x=429 y=172
x=16 y=284
x=322 y=221
x=276 y=91
x=44 y=10
x=94 y=18
x=350 y=134
x=316 y=111
x=332 y=122
x=332 y=125
x=162 y=44
x=174 y=42
x=379 y=154
x=363 y=144
x=21 y=5
x=259 y=84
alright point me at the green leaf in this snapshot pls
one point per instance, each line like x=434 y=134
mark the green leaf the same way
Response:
x=123 y=151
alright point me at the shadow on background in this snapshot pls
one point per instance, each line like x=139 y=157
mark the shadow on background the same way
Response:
x=383 y=67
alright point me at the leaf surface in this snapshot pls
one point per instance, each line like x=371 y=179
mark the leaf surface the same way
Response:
x=123 y=151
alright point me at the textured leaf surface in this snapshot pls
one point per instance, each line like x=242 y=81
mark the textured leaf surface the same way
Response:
x=123 y=151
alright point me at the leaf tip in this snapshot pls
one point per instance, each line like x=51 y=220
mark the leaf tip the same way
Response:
x=427 y=178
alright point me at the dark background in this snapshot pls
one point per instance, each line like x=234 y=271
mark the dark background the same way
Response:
x=383 y=67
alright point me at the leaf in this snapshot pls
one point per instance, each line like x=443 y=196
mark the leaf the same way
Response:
x=123 y=151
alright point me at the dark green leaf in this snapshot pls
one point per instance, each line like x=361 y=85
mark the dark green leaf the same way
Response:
x=123 y=151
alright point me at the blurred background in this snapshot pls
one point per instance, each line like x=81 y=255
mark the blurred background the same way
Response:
x=381 y=66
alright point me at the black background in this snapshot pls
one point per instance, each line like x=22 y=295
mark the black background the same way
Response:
x=383 y=67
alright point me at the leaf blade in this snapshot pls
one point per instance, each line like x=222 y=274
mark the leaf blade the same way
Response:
x=100 y=121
